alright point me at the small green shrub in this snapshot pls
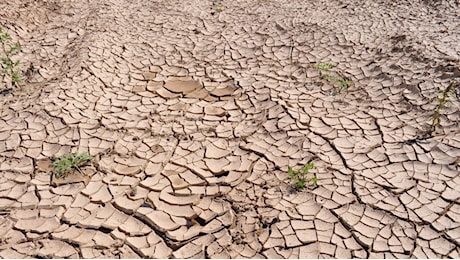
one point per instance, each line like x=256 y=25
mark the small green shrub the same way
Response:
x=10 y=67
x=65 y=163
x=342 y=83
x=442 y=97
x=300 y=178
x=324 y=66
x=218 y=7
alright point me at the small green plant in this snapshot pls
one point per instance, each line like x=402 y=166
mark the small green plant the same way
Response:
x=300 y=178
x=65 y=163
x=10 y=67
x=341 y=82
x=324 y=66
x=218 y=7
x=442 y=96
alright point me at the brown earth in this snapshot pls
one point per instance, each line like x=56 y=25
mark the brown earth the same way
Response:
x=194 y=110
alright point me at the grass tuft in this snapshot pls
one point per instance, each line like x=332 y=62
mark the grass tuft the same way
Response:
x=300 y=178
x=443 y=97
x=65 y=163
x=342 y=83
x=9 y=66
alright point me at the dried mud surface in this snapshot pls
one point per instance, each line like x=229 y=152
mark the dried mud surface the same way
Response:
x=194 y=110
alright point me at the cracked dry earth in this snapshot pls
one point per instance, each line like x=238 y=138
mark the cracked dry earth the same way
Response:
x=193 y=112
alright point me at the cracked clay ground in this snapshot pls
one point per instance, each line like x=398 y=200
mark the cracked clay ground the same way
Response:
x=194 y=110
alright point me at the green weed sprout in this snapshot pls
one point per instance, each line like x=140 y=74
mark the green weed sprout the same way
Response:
x=10 y=67
x=65 y=163
x=300 y=178
x=218 y=7
x=442 y=97
x=324 y=66
x=342 y=83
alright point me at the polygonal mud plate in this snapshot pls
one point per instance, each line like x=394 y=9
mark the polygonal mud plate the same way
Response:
x=74 y=176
